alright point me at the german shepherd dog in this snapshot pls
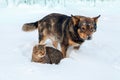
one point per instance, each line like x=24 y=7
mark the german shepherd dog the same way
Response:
x=67 y=30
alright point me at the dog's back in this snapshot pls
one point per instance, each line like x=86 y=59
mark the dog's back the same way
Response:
x=51 y=19
x=54 y=24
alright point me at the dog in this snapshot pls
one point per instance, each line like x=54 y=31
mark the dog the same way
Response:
x=63 y=29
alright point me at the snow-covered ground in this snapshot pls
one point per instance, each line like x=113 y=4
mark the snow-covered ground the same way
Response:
x=97 y=59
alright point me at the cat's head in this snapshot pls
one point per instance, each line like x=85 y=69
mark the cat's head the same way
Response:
x=41 y=50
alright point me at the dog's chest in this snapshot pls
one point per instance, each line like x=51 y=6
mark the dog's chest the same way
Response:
x=72 y=43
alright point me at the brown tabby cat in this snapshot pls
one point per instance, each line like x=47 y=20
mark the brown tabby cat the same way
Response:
x=45 y=54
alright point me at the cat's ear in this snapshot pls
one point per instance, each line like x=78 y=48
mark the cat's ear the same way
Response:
x=35 y=48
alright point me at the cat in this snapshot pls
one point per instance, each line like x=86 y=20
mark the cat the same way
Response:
x=46 y=54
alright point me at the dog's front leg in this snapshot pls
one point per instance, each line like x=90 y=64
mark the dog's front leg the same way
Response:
x=64 y=49
x=76 y=47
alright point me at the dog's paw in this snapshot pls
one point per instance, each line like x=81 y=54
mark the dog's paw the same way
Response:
x=76 y=47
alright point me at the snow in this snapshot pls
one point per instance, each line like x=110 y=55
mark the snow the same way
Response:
x=97 y=59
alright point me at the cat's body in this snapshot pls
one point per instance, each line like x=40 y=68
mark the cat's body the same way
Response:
x=45 y=54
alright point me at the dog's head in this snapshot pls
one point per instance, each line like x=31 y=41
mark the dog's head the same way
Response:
x=85 y=26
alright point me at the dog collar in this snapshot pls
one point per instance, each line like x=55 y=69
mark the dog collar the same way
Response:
x=75 y=37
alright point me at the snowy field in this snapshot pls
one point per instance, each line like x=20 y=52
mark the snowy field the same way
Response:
x=97 y=59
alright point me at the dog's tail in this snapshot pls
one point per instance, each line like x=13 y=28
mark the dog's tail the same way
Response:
x=30 y=26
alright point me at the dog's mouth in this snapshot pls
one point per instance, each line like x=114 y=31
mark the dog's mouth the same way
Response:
x=86 y=37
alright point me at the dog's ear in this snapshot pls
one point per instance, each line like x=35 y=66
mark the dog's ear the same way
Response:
x=96 y=18
x=74 y=19
x=42 y=45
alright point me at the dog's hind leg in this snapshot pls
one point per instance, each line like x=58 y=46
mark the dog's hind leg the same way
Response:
x=42 y=38
x=78 y=47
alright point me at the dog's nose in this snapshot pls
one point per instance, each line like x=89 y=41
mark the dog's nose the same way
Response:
x=89 y=37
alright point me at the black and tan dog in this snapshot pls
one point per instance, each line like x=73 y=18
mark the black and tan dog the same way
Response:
x=67 y=30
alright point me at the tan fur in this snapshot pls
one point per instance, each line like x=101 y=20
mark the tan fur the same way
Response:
x=72 y=43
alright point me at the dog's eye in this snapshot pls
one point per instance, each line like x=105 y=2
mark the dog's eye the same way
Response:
x=89 y=24
x=83 y=28
x=92 y=29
